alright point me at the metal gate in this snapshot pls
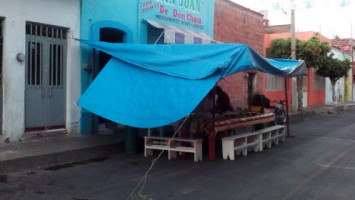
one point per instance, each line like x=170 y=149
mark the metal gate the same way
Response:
x=45 y=77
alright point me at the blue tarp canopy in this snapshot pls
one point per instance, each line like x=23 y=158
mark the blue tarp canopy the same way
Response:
x=148 y=86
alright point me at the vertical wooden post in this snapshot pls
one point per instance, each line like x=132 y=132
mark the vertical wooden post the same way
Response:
x=211 y=135
x=92 y=79
x=286 y=108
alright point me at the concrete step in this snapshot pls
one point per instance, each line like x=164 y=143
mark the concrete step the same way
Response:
x=52 y=151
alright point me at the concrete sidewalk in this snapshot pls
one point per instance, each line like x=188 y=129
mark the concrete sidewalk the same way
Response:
x=60 y=149
x=56 y=150
x=321 y=109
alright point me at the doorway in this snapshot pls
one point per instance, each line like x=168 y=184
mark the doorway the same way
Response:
x=45 y=77
x=110 y=35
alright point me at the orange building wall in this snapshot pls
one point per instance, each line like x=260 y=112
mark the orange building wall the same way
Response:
x=314 y=97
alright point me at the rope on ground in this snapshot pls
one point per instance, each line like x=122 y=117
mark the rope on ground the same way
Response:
x=155 y=160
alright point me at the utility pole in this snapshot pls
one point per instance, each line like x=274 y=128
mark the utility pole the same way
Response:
x=293 y=56
x=293 y=32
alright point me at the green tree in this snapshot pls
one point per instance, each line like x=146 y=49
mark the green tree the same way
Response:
x=334 y=69
x=280 y=48
x=312 y=51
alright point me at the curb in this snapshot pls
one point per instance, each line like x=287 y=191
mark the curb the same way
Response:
x=61 y=157
x=331 y=109
x=344 y=107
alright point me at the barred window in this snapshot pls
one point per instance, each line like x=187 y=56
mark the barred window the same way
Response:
x=274 y=83
x=56 y=64
x=46 y=31
x=37 y=35
x=34 y=63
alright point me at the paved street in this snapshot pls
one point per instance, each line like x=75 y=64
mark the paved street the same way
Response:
x=317 y=163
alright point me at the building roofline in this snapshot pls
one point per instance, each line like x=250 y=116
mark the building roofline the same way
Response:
x=240 y=6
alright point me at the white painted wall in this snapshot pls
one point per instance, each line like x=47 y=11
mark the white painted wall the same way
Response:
x=295 y=94
x=64 y=13
x=339 y=91
x=339 y=86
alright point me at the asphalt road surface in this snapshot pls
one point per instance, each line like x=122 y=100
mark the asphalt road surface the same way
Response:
x=317 y=163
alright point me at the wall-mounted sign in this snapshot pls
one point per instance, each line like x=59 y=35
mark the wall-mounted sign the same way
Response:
x=188 y=14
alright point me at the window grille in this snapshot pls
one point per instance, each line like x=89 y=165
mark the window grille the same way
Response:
x=46 y=31
x=38 y=35
x=34 y=63
x=274 y=83
x=55 y=65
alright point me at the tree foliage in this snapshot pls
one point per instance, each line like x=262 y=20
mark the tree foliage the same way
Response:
x=311 y=51
x=315 y=53
x=333 y=68
x=280 y=48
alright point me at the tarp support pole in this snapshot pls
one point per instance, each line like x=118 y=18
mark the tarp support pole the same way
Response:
x=92 y=79
x=211 y=136
x=287 y=118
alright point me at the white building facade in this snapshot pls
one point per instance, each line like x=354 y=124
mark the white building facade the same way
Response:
x=40 y=75
x=343 y=87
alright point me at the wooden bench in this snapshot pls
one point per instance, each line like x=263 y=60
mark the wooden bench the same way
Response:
x=255 y=140
x=270 y=135
x=240 y=144
x=173 y=145
x=232 y=124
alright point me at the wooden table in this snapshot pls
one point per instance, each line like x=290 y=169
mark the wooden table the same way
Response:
x=230 y=124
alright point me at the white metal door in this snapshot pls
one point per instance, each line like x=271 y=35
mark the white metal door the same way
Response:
x=45 y=77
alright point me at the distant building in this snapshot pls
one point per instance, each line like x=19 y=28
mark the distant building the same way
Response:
x=344 y=88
